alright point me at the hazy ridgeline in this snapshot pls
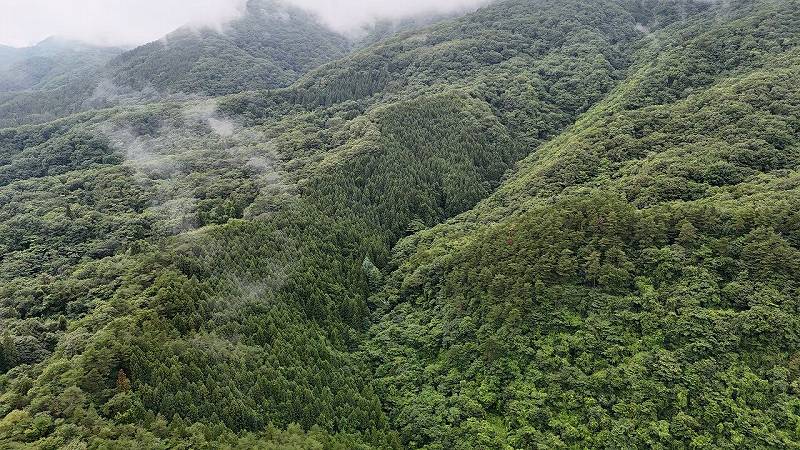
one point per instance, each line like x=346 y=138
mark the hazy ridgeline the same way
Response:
x=538 y=224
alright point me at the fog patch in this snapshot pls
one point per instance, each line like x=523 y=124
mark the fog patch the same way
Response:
x=139 y=152
x=106 y=94
x=206 y=112
x=113 y=23
x=221 y=127
x=135 y=22
x=351 y=16
x=177 y=152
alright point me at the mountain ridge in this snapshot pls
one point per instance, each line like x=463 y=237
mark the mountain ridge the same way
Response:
x=189 y=61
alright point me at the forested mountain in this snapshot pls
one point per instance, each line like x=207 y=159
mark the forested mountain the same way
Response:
x=545 y=224
x=269 y=46
x=50 y=64
x=36 y=83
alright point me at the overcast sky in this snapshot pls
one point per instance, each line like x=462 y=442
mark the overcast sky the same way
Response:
x=131 y=22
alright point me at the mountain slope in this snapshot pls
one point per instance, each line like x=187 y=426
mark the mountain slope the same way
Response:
x=633 y=283
x=270 y=46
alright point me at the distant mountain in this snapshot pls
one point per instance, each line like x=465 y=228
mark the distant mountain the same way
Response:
x=7 y=54
x=51 y=63
x=270 y=46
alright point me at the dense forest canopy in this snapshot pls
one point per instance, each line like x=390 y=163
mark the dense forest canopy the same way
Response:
x=543 y=224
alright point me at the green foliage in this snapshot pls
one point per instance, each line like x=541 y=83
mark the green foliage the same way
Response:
x=633 y=284
x=531 y=226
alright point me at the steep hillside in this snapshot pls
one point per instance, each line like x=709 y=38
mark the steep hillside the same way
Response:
x=634 y=283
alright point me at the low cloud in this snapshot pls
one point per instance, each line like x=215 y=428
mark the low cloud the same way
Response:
x=134 y=22
x=108 y=22
x=349 y=15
